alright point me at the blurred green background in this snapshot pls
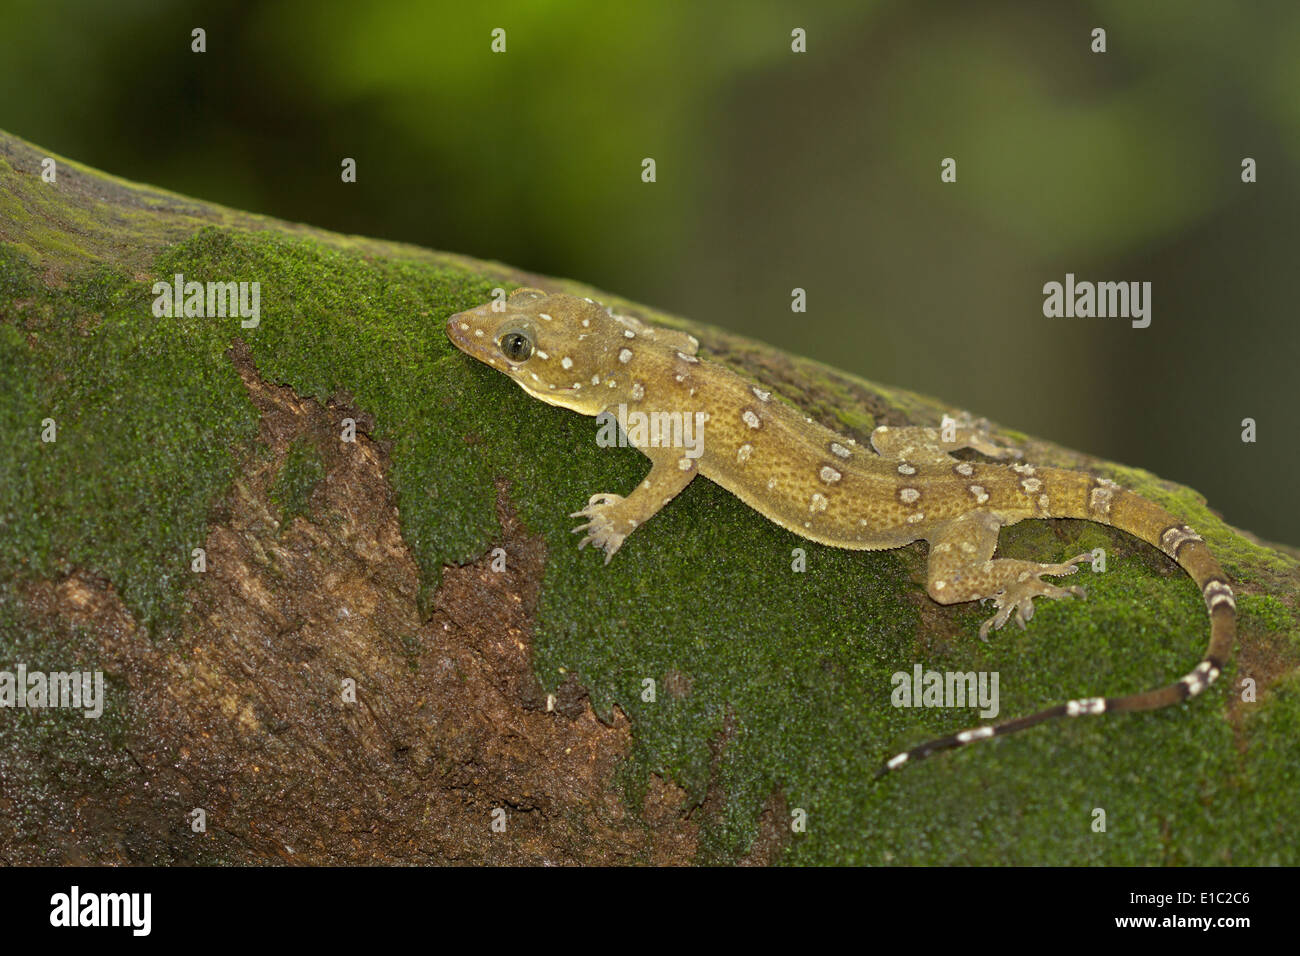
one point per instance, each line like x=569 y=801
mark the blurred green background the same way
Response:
x=778 y=170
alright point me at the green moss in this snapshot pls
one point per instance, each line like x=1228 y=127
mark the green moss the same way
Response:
x=302 y=471
x=370 y=331
x=145 y=424
x=1264 y=613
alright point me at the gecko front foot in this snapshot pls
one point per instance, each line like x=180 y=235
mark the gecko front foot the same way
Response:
x=606 y=529
x=1018 y=597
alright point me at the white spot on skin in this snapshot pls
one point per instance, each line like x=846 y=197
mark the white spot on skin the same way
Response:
x=586 y=323
x=685 y=464
x=638 y=391
x=1023 y=469
x=940 y=585
x=1218 y=592
x=595 y=380
x=967 y=548
x=818 y=503
x=761 y=395
x=478 y=332
x=750 y=418
x=908 y=495
x=687 y=358
x=628 y=333
x=464 y=327
x=945 y=546
x=771 y=484
x=1031 y=485
x=1201 y=678
x=915 y=518
x=679 y=377
x=1044 y=503
x=906 y=469
x=1099 y=500
x=1089 y=705
x=980 y=494
x=625 y=356
x=566 y=363
x=830 y=475
x=543 y=315
x=1174 y=538
x=964 y=469
x=544 y=356
x=840 y=450
x=743 y=453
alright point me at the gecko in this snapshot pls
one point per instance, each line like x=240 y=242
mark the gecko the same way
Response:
x=576 y=354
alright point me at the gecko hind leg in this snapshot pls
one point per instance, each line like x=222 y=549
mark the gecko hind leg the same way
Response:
x=962 y=568
x=926 y=445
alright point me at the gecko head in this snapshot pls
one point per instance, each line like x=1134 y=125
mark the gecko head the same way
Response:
x=561 y=349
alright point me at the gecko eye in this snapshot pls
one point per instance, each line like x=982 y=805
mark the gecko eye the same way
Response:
x=517 y=346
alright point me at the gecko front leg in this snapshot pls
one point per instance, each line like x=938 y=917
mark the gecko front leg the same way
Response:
x=613 y=517
x=962 y=568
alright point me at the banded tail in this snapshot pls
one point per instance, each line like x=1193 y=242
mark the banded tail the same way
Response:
x=1102 y=501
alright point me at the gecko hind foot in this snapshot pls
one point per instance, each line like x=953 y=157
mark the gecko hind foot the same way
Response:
x=978 y=434
x=602 y=530
x=1018 y=597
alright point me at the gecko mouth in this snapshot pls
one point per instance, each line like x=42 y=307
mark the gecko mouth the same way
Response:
x=461 y=331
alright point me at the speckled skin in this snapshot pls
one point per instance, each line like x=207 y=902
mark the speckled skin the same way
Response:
x=824 y=486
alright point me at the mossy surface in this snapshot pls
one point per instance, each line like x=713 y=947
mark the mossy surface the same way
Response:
x=302 y=471
x=769 y=682
x=120 y=430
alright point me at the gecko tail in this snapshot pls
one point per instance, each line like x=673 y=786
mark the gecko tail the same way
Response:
x=1108 y=504
x=1204 y=674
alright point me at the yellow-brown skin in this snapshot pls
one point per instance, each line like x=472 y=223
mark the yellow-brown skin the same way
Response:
x=576 y=354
